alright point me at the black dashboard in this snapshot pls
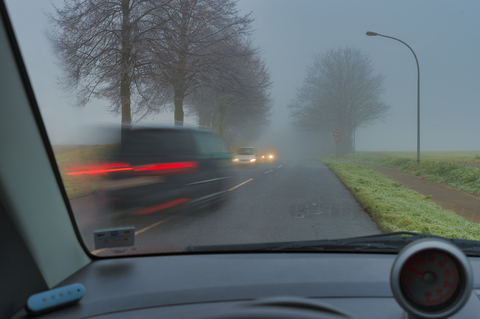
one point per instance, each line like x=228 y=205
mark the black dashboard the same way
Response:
x=208 y=286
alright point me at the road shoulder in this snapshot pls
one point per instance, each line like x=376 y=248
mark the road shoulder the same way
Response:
x=458 y=201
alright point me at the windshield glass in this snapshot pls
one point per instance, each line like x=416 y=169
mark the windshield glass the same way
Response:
x=246 y=151
x=364 y=117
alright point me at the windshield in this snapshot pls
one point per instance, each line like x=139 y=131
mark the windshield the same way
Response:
x=364 y=116
x=246 y=151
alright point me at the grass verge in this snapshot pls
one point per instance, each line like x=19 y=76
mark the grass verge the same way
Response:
x=467 y=158
x=395 y=208
x=82 y=185
x=459 y=176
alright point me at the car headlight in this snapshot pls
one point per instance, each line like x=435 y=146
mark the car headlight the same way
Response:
x=271 y=156
x=235 y=160
x=263 y=156
x=252 y=160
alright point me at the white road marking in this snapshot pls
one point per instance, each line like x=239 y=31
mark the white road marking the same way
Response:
x=231 y=189
x=268 y=171
x=280 y=166
x=208 y=181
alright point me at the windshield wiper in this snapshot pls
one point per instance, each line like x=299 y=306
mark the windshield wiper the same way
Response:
x=388 y=243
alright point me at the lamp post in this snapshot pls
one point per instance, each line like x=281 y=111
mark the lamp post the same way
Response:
x=370 y=34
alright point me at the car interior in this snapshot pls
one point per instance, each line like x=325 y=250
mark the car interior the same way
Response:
x=41 y=249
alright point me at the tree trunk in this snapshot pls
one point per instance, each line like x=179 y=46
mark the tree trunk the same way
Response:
x=345 y=144
x=126 y=110
x=221 y=116
x=125 y=80
x=178 y=99
x=180 y=85
x=202 y=118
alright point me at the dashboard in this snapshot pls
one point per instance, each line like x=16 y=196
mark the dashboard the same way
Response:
x=212 y=286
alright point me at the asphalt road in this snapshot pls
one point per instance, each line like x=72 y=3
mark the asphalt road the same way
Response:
x=281 y=201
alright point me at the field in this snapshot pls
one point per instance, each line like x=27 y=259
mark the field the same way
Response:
x=468 y=158
x=74 y=157
x=460 y=170
x=396 y=208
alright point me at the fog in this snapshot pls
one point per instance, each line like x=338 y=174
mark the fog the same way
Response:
x=442 y=33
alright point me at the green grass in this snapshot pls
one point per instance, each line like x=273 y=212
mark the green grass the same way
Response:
x=468 y=158
x=395 y=208
x=82 y=185
x=442 y=169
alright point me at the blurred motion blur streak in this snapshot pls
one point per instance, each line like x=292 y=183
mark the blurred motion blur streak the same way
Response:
x=160 y=207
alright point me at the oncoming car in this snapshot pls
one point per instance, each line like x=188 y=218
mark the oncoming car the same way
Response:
x=246 y=156
x=267 y=158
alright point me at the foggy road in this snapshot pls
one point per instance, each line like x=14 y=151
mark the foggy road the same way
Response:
x=281 y=201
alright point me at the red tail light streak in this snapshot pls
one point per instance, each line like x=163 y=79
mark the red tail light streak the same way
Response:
x=153 y=209
x=159 y=168
x=169 y=168
x=98 y=169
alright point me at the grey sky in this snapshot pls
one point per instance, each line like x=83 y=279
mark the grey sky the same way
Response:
x=444 y=35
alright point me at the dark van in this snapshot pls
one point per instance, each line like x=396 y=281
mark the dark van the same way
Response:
x=156 y=169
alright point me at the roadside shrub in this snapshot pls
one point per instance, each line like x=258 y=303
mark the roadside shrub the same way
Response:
x=440 y=168
x=401 y=163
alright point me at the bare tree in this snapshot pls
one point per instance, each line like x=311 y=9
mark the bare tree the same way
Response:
x=233 y=116
x=189 y=50
x=103 y=48
x=339 y=91
x=235 y=100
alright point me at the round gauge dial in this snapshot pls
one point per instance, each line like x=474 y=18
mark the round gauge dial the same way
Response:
x=430 y=278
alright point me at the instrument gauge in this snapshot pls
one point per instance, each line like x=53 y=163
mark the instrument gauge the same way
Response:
x=431 y=278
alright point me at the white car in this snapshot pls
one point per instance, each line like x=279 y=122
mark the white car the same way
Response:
x=246 y=156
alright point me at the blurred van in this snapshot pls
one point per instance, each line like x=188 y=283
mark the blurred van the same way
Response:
x=160 y=168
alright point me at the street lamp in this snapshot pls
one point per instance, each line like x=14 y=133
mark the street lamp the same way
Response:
x=371 y=34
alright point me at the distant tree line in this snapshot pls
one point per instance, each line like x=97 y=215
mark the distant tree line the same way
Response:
x=341 y=92
x=148 y=56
